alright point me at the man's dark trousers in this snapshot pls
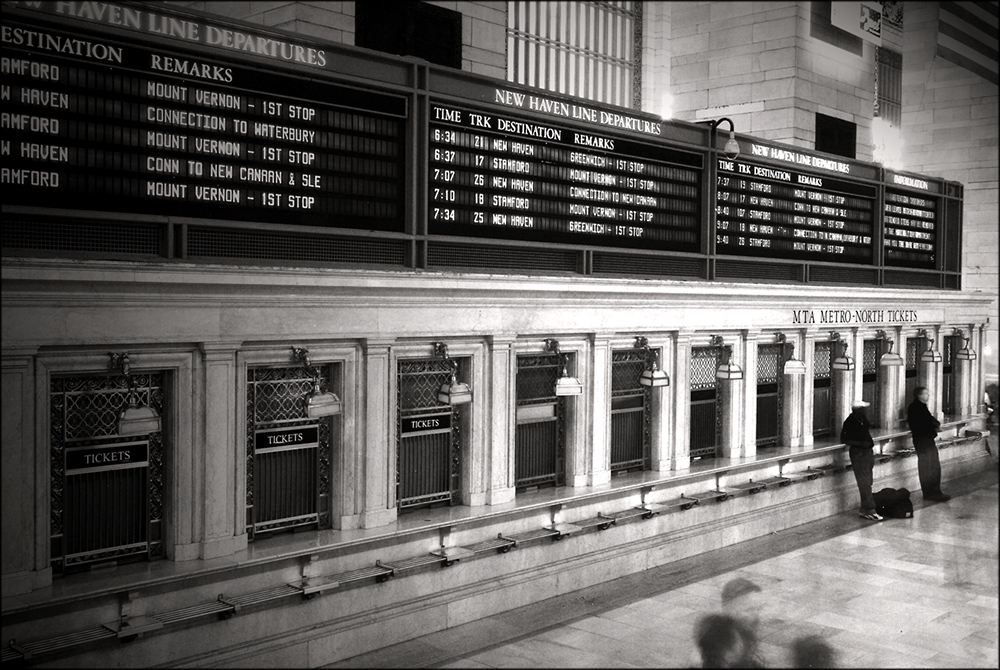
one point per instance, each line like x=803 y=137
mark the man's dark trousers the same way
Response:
x=928 y=466
x=862 y=463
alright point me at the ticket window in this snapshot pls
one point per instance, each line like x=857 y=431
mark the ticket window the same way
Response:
x=289 y=473
x=429 y=436
x=106 y=490
x=706 y=410
x=539 y=431
x=952 y=344
x=823 y=419
x=630 y=412
x=913 y=351
x=871 y=353
x=770 y=362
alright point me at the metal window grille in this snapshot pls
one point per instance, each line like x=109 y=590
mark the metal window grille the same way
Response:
x=539 y=433
x=428 y=464
x=870 y=353
x=114 y=512
x=913 y=351
x=769 y=397
x=630 y=412
x=286 y=488
x=706 y=411
x=822 y=389
x=584 y=49
x=951 y=345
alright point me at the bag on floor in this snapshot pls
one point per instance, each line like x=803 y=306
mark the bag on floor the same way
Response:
x=894 y=503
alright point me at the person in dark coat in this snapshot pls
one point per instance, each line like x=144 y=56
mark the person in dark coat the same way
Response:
x=924 y=428
x=856 y=435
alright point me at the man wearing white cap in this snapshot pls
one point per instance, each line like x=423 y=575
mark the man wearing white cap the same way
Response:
x=856 y=435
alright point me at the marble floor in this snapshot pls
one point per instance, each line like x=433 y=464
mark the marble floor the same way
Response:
x=901 y=593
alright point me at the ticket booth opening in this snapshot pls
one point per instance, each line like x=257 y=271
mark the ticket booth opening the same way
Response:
x=706 y=410
x=288 y=453
x=914 y=347
x=871 y=353
x=952 y=343
x=823 y=419
x=106 y=490
x=630 y=412
x=429 y=436
x=770 y=364
x=539 y=433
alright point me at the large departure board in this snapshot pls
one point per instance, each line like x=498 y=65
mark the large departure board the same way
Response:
x=89 y=123
x=501 y=176
x=773 y=211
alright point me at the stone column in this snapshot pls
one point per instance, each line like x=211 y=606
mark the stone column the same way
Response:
x=680 y=429
x=377 y=453
x=500 y=436
x=748 y=435
x=793 y=383
x=846 y=383
x=891 y=378
x=732 y=395
x=808 y=357
x=599 y=405
x=223 y=530
x=25 y=489
x=929 y=375
x=662 y=434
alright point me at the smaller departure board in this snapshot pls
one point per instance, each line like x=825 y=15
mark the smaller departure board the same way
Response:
x=910 y=229
x=773 y=211
x=494 y=175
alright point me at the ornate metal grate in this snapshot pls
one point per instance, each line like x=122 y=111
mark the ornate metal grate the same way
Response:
x=770 y=399
x=429 y=462
x=540 y=448
x=870 y=356
x=704 y=363
x=822 y=357
x=912 y=353
x=276 y=399
x=706 y=411
x=630 y=412
x=83 y=413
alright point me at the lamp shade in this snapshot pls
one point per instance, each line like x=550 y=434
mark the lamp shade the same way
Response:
x=136 y=420
x=454 y=392
x=729 y=371
x=842 y=363
x=930 y=356
x=654 y=378
x=323 y=404
x=567 y=385
x=891 y=360
x=966 y=354
x=794 y=367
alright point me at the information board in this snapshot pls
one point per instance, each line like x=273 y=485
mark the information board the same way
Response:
x=90 y=123
x=501 y=176
x=910 y=229
x=763 y=210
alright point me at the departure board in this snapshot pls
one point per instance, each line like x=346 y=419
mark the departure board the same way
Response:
x=910 y=229
x=769 y=211
x=90 y=123
x=495 y=175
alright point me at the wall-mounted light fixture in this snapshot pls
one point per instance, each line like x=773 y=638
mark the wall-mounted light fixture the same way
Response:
x=133 y=419
x=930 y=354
x=791 y=366
x=727 y=369
x=565 y=385
x=889 y=359
x=732 y=147
x=452 y=392
x=319 y=402
x=965 y=353
x=841 y=361
x=652 y=376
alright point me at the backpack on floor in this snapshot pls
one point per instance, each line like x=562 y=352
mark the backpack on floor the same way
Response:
x=894 y=503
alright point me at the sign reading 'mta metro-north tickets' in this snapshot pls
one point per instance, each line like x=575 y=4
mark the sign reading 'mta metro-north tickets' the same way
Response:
x=497 y=175
x=93 y=123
